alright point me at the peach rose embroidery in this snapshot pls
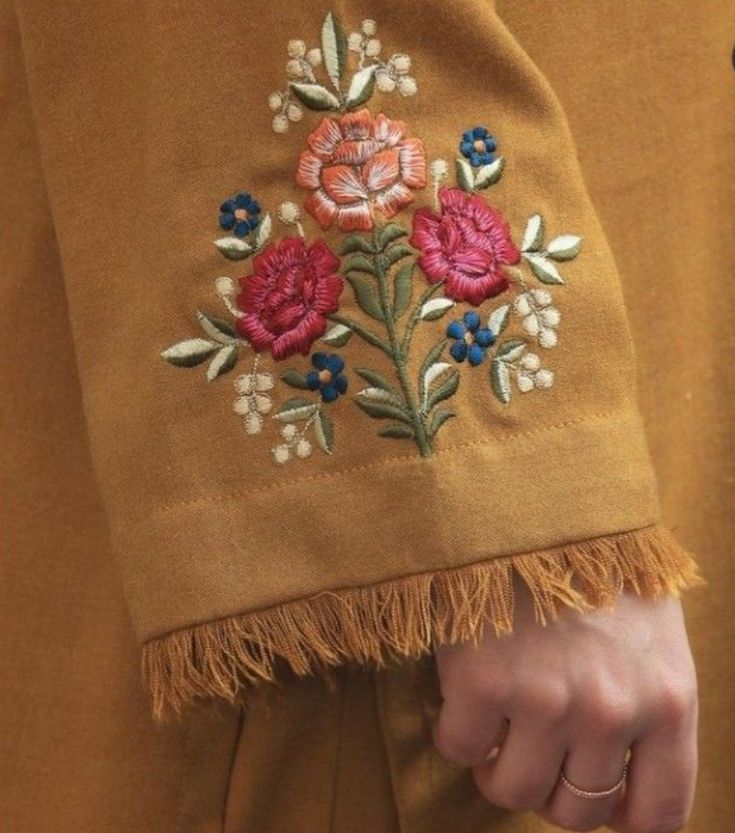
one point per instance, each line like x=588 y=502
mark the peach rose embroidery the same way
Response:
x=357 y=161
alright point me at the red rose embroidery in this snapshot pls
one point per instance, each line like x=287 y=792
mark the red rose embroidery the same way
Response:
x=285 y=301
x=359 y=160
x=466 y=245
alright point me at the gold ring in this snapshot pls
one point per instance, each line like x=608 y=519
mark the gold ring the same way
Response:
x=578 y=791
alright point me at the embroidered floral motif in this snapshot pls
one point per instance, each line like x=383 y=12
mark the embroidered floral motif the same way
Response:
x=363 y=171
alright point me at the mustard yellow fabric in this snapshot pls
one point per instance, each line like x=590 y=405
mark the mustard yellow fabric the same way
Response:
x=145 y=120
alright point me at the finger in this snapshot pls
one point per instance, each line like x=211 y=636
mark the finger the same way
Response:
x=526 y=768
x=467 y=730
x=595 y=765
x=661 y=778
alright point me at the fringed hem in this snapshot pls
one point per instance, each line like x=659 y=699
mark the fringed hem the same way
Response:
x=407 y=617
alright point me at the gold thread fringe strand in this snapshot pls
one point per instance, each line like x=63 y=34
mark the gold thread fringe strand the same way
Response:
x=407 y=617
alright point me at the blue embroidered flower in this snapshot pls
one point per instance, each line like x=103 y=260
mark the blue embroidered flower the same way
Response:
x=327 y=378
x=470 y=340
x=241 y=214
x=478 y=146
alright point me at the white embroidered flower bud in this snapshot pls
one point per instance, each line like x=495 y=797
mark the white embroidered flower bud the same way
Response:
x=402 y=63
x=439 y=169
x=289 y=431
x=544 y=379
x=303 y=448
x=224 y=286
x=289 y=213
x=547 y=338
x=522 y=304
x=549 y=317
x=354 y=42
x=263 y=403
x=525 y=382
x=541 y=296
x=296 y=49
x=264 y=381
x=314 y=57
x=530 y=324
x=530 y=362
x=280 y=124
x=385 y=81
x=245 y=384
x=295 y=68
x=294 y=112
x=369 y=27
x=275 y=101
x=407 y=86
x=373 y=47
x=241 y=406
x=253 y=423
x=282 y=453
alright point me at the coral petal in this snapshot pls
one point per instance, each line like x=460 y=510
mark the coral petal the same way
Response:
x=343 y=185
x=413 y=162
x=381 y=171
x=307 y=173
x=325 y=138
x=355 y=217
x=394 y=199
x=321 y=208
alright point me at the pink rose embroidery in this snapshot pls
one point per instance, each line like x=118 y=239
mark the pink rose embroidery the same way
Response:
x=286 y=299
x=356 y=161
x=466 y=245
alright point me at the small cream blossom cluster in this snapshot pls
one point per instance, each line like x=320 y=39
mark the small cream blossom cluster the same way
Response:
x=295 y=444
x=539 y=318
x=254 y=400
x=299 y=67
x=390 y=75
x=530 y=374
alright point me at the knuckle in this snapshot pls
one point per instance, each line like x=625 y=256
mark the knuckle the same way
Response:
x=456 y=748
x=553 y=702
x=674 y=702
x=609 y=714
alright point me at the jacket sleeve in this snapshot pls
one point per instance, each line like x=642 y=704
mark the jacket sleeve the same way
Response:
x=352 y=343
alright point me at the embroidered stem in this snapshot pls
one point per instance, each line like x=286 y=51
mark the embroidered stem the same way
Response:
x=363 y=332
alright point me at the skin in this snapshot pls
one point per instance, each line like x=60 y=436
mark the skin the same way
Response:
x=578 y=693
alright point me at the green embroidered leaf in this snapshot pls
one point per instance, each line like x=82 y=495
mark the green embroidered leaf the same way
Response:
x=378 y=381
x=397 y=252
x=264 y=231
x=510 y=351
x=465 y=177
x=433 y=372
x=216 y=328
x=489 y=174
x=402 y=289
x=533 y=236
x=564 y=247
x=359 y=263
x=380 y=395
x=443 y=391
x=233 y=248
x=397 y=432
x=189 y=353
x=338 y=335
x=356 y=243
x=382 y=410
x=390 y=233
x=295 y=379
x=432 y=357
x=224 y=360
x=366 y=298
x=334 y=49
x=544 y=269
x=314 y=96
x=324 y=431
x=435 y=308
x=439 y=417
x=500 y=380
x=361 y=87
x=499 y=318
x=295 y=409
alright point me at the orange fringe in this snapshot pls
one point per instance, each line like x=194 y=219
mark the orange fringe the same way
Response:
x=407 y=617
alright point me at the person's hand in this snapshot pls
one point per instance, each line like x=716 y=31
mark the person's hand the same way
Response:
x=577 y=693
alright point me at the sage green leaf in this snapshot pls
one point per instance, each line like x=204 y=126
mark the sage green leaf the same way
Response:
x=500 y=380
x=389 y=233
x=264 y=231
x=295 y=409
x=544 y=269
x=397 y=432
x=499 y=318
x=432 y=357
x=402 y=289
x=366 y=298
x=189 y=353
x=233 y=248
x=314 y=96
x=443 y=391
x=224 y=360
x=439 y=417
x=378 y=381
x=435 y=308
x=216 y=328
x=465 y=177
x=356 y=243
x=361 y=87
x=380 y=395
x=489 y=174
x=295 y=379
x=324 y=431
x=338 y=335
x=334 y=49
x=397 y=252
x=382 y=410
x=564 y=247
x=359 y=263
x=533 y=236
x=433 y=372
x=510 y=351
